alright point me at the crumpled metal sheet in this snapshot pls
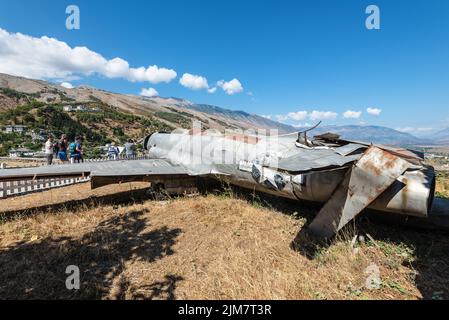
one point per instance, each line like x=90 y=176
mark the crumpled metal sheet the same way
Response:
x=349 y=148
x=370 y=177
x=307 y=160
x=411 y=155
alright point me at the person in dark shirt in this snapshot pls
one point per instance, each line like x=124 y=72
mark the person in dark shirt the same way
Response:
x=63 y=145
x=79 y=149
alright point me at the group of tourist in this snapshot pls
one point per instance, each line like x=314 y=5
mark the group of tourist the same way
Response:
x=64 y=150
x=129 y=150
x=73 y=151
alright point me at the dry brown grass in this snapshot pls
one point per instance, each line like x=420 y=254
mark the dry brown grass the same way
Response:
x=19 y=163
x=206 y=247
x=442 y=187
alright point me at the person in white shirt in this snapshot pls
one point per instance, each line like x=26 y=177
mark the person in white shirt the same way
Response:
x=49 y=149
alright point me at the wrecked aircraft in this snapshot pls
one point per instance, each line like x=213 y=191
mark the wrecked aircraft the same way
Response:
x=347 y=176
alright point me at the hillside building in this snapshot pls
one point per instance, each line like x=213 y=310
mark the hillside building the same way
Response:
x=15 y=129
x=21 y=153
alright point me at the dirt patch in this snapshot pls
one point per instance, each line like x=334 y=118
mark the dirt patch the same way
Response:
x=61 y=198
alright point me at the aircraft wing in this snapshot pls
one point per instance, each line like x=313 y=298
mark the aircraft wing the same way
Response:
x=116 y=171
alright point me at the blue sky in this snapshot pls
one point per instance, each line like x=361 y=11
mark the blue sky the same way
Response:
x=288 y=56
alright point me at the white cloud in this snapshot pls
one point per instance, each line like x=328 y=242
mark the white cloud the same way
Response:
x=152 y=74
x=232 y=87
x=281 y=117
x=425 y=129
x=66 y=85
x=193 y=81
x=303 y=115
x=298 y=116
x=150 y=92
x=117 y=68
x=374 y=111
x=322 y=115
x=302 y=125
x=405 y=129
x=414 y=130
x=212 y=90
x=49 y=58
x=352 y=114
x=266 y=116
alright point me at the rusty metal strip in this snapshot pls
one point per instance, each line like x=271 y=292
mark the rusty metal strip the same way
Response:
x=369 y=177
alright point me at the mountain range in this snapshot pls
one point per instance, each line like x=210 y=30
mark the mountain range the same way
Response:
x=374 y=134
x=175 y=112
x=441 y=137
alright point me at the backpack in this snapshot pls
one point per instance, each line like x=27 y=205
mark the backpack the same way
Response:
x=72 y=147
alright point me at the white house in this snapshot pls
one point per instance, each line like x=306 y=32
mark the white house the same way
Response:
x=81 y=108
x=16 y=129
x=68 y=108
x=37 y=137
x=20 y=153
x=20 y=129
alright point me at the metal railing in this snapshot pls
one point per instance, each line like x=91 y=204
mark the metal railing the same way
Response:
x=43 y=161
x=22 y=187
x=16 y=188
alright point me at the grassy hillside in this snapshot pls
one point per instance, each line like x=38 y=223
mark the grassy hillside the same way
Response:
x=172 y=111
x=105 y=125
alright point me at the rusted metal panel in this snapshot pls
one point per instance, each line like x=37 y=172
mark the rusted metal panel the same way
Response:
x=363 y=183
x=410 y=155
x=411 y=194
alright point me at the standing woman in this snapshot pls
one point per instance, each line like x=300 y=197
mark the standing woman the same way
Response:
x=63 y=145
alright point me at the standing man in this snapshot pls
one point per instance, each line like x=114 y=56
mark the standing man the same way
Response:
x=130 y=149
x=49 y=149
x=72 y=152
x=76 y=151
x=79 y=149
